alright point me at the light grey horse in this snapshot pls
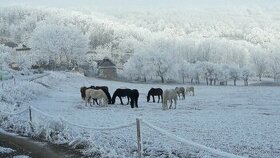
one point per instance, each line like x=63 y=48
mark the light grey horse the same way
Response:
x=189 y=90
x=180 y=90
x=96 y=94
x=169 y=95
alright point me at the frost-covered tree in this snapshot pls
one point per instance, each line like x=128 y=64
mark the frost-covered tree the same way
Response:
x=234 y=73
x=245 y=75
x=274 y=64
x=62 y=44
x=260 y=62
x=5 y=55
x=183 y=68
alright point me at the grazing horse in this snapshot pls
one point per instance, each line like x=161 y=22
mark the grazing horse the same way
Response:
x=96 y=94
x=134 y=95
x=169 y=94
x=106 y=91
x=154 y=92
x=83 y=93
x=121 y=93
x=180 y=90
x=190 y=89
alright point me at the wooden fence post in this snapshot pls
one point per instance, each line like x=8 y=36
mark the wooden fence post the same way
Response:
x=30 y=116
x=30 y=119
x=139 y=141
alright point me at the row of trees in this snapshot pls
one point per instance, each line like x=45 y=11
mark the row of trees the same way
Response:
x=152 y=66
x=159 y=43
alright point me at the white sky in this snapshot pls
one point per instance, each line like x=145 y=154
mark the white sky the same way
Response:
x=141 y=4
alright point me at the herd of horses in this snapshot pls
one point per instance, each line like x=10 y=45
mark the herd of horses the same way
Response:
x=101 y=96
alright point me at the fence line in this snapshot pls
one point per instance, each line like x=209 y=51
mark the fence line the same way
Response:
x=101 y=128
x=18 y=113
x=191 y=143
x=162 y=131
x=41 y=112
x=85 y=127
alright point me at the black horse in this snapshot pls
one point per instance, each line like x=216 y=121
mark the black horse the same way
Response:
x=155 y=92
x=132 y=95
x=104 y=88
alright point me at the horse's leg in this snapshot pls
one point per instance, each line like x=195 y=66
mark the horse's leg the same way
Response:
x=158 y=98
x=184 y=96
x=127 y=100
x=170 y=104
x=136 y=102
x=132 y=103
x=153 y=98
x=121 y=100
x=85 y=101
x=175 y=103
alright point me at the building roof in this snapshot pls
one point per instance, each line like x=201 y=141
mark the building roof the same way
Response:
x=105 y=63
x=23 y=48
x=10 y=44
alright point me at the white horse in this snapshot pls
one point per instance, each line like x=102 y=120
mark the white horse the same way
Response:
x=180 y=90
x=190 y=89
x=169 y=94
x=96 y=94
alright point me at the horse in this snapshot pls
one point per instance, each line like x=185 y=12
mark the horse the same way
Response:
x=180 y=90
x=155 y=92
x=83 y=93
x=106 y=91
x=134 y=95
x=169 y=94
x=121 y=93
x=190 y=89
x=96 y=94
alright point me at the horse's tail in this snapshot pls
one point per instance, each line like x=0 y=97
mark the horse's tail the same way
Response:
x=83 y=92
x=148 y=95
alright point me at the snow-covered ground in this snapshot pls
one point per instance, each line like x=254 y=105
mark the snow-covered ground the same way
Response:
x=239 y=120
x=6 y=150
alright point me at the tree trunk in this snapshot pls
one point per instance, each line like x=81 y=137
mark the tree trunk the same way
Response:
x=207 y=81
x=183 y=80
x=234 y=82
x=211 y=82
x=162 y=79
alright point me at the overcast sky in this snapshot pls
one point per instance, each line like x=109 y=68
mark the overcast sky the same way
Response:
x=139 y=4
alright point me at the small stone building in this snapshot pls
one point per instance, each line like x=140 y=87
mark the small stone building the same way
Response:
x=107 y=69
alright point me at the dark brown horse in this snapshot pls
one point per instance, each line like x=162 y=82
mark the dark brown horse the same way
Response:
x=131 y=94
x=154 y=92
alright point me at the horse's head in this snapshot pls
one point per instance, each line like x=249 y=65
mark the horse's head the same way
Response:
x=132 y=103
x=112 y=101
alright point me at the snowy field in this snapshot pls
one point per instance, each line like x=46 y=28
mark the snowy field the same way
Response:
x=239 y=120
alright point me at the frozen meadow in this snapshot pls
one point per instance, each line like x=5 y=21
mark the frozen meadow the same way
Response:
x=239 y=120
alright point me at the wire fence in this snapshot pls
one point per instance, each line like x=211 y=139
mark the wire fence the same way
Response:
x=137 y=125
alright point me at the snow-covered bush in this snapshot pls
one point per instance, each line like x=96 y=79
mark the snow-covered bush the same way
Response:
x=20 y=92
